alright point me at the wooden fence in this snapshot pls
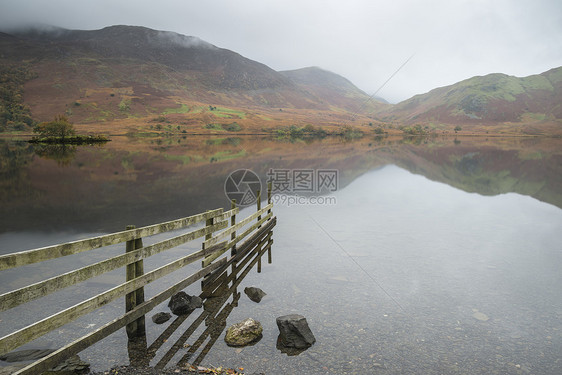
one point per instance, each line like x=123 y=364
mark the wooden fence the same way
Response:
x=217 y=289
x=220 y=236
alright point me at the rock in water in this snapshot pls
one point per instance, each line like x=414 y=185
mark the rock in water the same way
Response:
x=72 y=366
x=9 y=370
x=255 y=294
x=243 y=333
x=182 y=303
x=25 y=355
x=161 y=317
x=480 y=316
x=294 y=331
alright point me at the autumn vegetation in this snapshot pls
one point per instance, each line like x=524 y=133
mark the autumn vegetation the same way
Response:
x=60 y=130
x=15 y=115
x=104 y=83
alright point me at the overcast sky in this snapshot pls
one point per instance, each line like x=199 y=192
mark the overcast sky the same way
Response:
x=365 y=41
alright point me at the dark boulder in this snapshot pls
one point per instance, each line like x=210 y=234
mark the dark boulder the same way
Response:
x=294 y=332
x=182 y=303
x=255 y=294
x=161 y=317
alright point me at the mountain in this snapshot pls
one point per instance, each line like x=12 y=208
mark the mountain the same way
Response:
x=133 y=73
x=491 y=99
x=331 y=87
x=130 y=72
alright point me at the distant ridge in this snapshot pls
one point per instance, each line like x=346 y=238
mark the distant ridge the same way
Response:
x=494 y=98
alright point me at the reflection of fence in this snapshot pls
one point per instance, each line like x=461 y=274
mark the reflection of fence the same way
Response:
x=217 y=289
x=256 y=236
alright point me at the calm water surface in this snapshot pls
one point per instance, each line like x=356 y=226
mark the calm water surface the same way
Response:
x=432 y=257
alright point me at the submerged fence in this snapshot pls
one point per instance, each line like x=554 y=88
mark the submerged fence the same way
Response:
x=220 y=237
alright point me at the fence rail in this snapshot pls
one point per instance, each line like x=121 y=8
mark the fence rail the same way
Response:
x=255 y=229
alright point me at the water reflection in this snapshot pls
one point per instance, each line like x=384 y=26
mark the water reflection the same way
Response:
x=217 y=289
x=415 y=277
x=63 y=154
x=151 y=180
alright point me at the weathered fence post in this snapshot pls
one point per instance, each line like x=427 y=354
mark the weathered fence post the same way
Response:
x=232 y=238
x=269 y=189
x=259 y=226
x=134 y=270
x=232 y=223
x=259 y=206
x=209 y=222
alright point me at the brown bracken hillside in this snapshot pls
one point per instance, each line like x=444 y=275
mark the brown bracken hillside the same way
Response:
x=134 y=79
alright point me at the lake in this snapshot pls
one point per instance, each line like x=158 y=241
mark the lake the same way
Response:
x=406 y=255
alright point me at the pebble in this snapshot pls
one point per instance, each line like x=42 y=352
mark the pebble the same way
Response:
x=480 y=316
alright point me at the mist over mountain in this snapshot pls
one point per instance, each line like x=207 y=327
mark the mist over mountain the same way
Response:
x=154 y=68
x=129 y=72
x=324 y=84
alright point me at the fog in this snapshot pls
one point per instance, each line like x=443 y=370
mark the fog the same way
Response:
x=364 y=41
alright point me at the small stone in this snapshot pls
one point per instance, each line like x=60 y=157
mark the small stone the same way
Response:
x=72 y=366
x=255 y=294
x=161 y=317
x=480 y=316
x=244 y=333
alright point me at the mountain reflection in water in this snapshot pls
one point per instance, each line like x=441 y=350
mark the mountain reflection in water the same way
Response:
x=143 y=181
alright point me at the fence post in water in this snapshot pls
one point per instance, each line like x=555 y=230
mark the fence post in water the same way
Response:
x=233 y=250
x=259 y=206
x=209 y=222
x=134 y=270
x=269 y=189
x=259 y=218
x=232 y=223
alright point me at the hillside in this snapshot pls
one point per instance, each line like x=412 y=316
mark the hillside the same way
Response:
x=124 y=79
x=129 y=72
x=333 y=88
x=486 y=100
